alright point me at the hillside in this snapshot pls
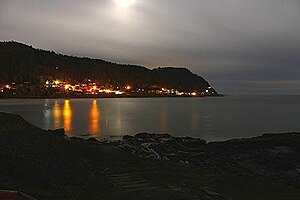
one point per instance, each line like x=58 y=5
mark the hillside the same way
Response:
x=22 y=63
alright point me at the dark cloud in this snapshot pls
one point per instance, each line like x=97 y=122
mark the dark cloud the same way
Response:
x=223 y=40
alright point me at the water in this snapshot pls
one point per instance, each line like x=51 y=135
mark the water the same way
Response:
x=208 y=118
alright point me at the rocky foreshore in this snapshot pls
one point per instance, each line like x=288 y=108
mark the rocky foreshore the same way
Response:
x=275 y=156
x=162 y=146
x=51 y=165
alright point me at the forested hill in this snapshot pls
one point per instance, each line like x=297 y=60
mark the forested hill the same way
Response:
x=22 y=63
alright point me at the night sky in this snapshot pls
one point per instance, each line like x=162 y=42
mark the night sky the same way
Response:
x=239 y=46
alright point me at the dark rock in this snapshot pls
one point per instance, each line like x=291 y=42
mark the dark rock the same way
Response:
x=127 y=137
x=77 y=139
x=269 y=155
x=93 y=140
x=144 y=137
x=59 y=132
x=160 y=146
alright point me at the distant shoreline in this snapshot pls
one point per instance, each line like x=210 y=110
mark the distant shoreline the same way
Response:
x=109 y=97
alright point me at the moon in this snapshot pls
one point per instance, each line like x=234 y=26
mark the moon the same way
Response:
x=124 y=3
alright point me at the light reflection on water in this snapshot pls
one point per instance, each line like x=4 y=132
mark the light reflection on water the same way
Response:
x=67 y=116
x=62 y=116
x=94 y=118
x=207 y=118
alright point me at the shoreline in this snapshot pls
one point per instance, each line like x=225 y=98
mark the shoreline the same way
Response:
x=110 y=97
x=47 y=164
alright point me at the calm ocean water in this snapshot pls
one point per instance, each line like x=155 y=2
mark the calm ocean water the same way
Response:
x=212 y=119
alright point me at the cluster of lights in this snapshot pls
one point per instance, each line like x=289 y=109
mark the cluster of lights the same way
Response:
x=89 y=88
x=93 y=89
x=8 y=87
x=166 y=91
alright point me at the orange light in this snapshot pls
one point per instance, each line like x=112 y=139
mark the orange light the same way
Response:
x=67 y=114
x=94 y=116
x=57 y=82
x=67 y=86
x=194 y=94
x=128 y=87
x=107 y=91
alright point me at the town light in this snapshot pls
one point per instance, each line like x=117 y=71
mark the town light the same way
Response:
x=107 y=91
x=118 y=92
x=67 y=86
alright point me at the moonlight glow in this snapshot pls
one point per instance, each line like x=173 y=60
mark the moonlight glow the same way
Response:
x=124 y=3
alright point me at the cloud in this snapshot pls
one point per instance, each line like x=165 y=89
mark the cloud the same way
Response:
x=222 y=40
